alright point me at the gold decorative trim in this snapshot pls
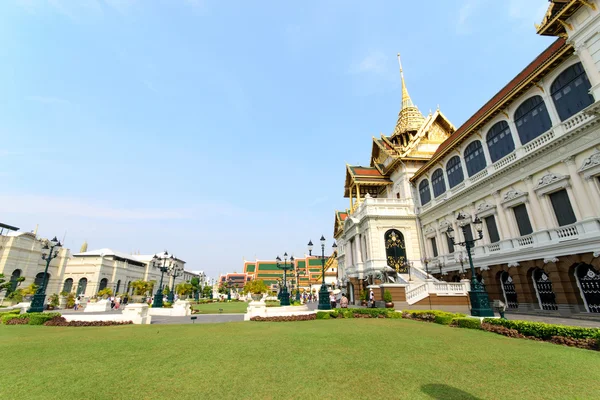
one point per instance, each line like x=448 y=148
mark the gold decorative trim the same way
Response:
x=588 y=4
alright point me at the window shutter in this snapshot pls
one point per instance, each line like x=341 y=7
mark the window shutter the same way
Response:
x=522 y=220
x=562 y=207
x=490 y=222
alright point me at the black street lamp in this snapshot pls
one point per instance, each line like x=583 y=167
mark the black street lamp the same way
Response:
x=228 y=289
x=212 y=287
x=284 y=298
x=167 y=263
x=425 y=260
x=173 y=272
x=37 y=303
x=324 y=303
x=298 y=273
x=480 y=302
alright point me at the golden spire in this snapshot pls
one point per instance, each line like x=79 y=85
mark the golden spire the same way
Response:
x=409 y=117
x=84 y=247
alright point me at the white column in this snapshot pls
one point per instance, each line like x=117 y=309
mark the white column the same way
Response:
x=581 y=198
x=537 y=223
x=590 y=69
x=593 y=192
x=501 y=222
x=514 y=133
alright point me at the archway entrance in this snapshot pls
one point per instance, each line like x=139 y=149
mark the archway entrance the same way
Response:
x=508 y=288
x=395 y=251
x=543 y=289
x=588 y=280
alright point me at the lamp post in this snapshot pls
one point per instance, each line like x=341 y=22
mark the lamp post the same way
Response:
x=173 y=272
x=298 y=273
x=167 y=263
x=425 y=260
x=324 y=303
x=284 y=299
x=37 y=303
x=212 y=287
x=480 y=302
x=228 y=289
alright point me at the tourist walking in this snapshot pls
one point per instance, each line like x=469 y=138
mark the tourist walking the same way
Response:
x=344 y=301
x=371 y=299
x=332 y=300
x=77 y=302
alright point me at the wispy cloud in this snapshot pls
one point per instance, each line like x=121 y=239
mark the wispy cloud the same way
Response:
x=465 y=13
x=48 y=100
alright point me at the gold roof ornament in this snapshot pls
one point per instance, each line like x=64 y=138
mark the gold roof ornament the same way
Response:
x=409 y=117
x=84 y=247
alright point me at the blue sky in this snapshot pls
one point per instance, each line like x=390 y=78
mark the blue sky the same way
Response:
x=220 y=129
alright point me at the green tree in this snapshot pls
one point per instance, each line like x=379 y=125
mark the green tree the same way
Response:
x=141 y=288
x=206 y=291
x=223 y=289
x=166 y=290
x=184 y=289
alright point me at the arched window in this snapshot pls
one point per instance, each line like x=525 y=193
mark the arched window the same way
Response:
x=474 y=158
x=103 y=284
x=40 y=277
x=588 y=280
x=118 y=286
x=543 y=290
x=532 y=119
x=508 y=288
x=395 y=250
x=14 y=279
x=454 y=171
x=81 y=286
x=437 y=181
x=424 y=192
x=499 y=141
x=570 y=91
x=68 y=285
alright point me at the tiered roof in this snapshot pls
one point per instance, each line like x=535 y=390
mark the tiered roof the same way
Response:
x=555 y=21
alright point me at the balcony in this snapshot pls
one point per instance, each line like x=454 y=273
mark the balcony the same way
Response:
x=576 y=123
x=384 y=207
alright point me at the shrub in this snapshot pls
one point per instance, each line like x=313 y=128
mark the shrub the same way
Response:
x=502 y=330
x=443 y=319
x=105 y=292
x=256 y=287
x=437 y=316
x=323 y=315
x=387 y=296
x=40 y=318
x=6 y=318
x=545 y=331
x=469 y=323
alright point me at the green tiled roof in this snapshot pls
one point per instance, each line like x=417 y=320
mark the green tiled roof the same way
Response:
x=267 y=267
x=314 y=261
x=250 y=267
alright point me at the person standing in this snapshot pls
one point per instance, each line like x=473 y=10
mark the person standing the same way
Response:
x=77 y=302
x=332 y=300
x=371 y=299
x=344 y=301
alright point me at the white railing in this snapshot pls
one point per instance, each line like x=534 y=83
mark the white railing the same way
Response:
x=417 y=293
x=458 y=187
x=493 y=247
x=576 y=120
x=501 y=163
x=479 y=175
x=449 y=288
x=538 y=141
x=525 y=241
x=569 y=232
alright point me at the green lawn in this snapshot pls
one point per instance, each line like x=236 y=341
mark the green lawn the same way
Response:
x=228 y=308
x=325 y=359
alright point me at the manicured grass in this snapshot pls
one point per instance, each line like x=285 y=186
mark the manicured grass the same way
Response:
x=326 y=359
x=228 y=308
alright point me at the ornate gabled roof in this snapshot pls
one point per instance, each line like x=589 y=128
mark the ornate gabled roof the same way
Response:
x=364 y=175
x=410 y=118
x=554 y=22
x=338 y=224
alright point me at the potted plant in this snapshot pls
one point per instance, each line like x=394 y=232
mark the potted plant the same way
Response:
x=256 y=289
x=70 y=300
x=387 y=297
x=363 y=298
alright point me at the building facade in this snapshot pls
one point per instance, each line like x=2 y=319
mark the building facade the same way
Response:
x=528 y=165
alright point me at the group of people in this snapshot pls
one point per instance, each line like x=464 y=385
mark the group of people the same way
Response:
x=343 y=300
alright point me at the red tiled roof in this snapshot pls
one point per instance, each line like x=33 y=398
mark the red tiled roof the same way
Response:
x=366 y=171
x=496 y=100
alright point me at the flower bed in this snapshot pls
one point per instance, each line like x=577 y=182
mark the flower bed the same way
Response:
x=306 y=317
x=61 y=321
x=573 y=336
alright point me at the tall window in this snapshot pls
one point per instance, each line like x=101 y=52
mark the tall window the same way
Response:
x=395 y=250
x=454 y=171
x=522 y=220
x=474 y=158
x=562 y=207
x=424 y=192
x=468 y=233
x=103 y=284
x=499 y=141
x=532 y=119
x=118 y=286
x=81 y=286
x=40 y=277
x=570 y=91
x=490 y=223
x=434 y=247
x=450 y=244
x=437 y=181
x=14 y=279
x=68 y=285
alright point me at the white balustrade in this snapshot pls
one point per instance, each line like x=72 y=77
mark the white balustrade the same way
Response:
x=539 y=141
x=569 y=232
x=479 y=176
x=525 y=241
x=503 y=162
x=577 y=120
x=493 y=247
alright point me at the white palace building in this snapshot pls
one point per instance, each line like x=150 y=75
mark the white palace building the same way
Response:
x=527 y=164
x=83 y=273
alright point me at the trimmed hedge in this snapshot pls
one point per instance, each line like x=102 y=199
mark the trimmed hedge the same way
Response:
x=437 y=316
x=469 y=323
x=359 y=313
x=545 y=331
x=30 y=318
x=306 y=317
x=61 y=321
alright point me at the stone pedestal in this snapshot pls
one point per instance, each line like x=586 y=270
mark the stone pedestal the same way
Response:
x=99 y=306
x=62 y=302
x=137 y=313
x=181 y=308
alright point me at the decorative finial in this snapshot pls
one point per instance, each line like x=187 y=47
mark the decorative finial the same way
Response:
x=84 y=247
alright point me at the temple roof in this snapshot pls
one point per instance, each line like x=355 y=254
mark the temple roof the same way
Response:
x=364 y=175
x=338 y=223
x=409 y=118
x=529 y=76
x=554 y=22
